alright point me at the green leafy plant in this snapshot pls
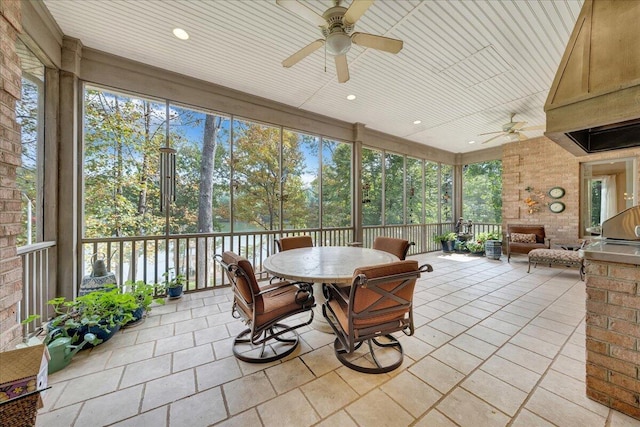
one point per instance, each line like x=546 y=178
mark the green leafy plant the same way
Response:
x=447 y=237
x=105 y=309
x=173 y=282
x=475 y=246
x=144 y=293
x=492 y=235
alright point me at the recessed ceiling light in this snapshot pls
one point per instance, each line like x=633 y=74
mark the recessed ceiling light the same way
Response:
x=472 y=142
x=417 y=122
x=351 y=97
x=180 y=33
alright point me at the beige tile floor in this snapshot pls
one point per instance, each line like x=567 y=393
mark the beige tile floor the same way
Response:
x=493 y=346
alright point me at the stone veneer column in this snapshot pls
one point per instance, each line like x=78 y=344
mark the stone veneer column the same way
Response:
x=613 y=332
x=10 y=149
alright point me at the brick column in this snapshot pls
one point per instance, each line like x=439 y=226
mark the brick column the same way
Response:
x=613 y=331
x=10 y=148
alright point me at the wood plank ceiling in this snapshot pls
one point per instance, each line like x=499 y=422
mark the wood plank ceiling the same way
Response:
x=466 y=65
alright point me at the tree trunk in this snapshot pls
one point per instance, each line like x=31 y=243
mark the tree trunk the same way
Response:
x=205 y=200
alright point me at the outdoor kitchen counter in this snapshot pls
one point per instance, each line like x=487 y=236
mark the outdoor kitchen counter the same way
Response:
x=613 y=252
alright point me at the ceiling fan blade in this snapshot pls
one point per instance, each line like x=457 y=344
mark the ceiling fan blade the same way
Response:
x=522 y=136
x=342 y=68
x=491 y=139
x=518 y=125
x=303 y=53
x=539 y=127
x=302 y=11
x=377 y=42
x=355 y=11
x=490 y=133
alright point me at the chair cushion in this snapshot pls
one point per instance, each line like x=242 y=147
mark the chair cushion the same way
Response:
x=523 y=238
x=538 y=230
x=397 y=247
x=249 y=286
x=295 y=242
x=278 y=303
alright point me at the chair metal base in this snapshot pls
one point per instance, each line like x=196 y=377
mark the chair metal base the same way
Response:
x=271 y=349
x=368 y=362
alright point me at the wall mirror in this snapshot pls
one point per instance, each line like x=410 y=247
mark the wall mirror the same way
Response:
x=607 y=187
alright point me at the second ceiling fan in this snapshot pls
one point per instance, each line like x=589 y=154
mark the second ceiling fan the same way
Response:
x=513 y=130
x=336 y=25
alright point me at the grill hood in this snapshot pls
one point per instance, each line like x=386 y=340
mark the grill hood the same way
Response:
x=594 y=101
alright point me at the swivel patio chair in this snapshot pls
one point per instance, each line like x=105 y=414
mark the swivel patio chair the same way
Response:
x=378 y=303
x=397 y=247
x=294 y=242
x=263 y=308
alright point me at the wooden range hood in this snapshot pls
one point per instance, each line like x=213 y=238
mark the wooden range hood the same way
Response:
x=594 y=101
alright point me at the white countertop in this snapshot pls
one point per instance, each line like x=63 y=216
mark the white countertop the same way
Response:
x=613 y=252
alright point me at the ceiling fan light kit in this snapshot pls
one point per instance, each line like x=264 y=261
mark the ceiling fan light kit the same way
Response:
x=336 y=25
x=512 y=130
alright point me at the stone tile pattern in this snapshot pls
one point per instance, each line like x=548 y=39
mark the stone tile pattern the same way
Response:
x=613 y=330
x=494 y=346
x=542 y=164
x=10 y=148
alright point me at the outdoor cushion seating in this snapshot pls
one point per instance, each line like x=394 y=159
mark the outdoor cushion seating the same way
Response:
x=263 y=308
x=378 y=303
x=294 y=242
x=556 y=257
x=397 y=247
x=522 y=238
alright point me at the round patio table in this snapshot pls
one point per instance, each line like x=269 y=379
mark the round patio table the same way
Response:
x=323 y=264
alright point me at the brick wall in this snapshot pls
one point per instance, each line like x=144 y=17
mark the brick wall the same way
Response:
x=542 y=164
x=613 y=331
x=10 y=227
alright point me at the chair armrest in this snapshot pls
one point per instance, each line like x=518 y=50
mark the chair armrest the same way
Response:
x=333 y=290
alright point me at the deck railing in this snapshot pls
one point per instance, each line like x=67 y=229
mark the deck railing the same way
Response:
x=148 y=258
x=36 y=271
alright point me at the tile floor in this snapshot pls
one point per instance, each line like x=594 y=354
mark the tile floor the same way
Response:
x=493 y=346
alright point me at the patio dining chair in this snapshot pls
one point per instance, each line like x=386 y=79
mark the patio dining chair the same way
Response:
x=378 y=303
x=397 y=247
x=263 y=308
x=294 y=242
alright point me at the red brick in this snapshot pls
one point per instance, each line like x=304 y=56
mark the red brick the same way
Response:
x=595 y=269
x=624 y=327
x=624 y=300
x=610 y=284
x=596 y=295
x=631 y=410
x=612 y=364
x=612 y=311
x=597 y=346
x=597 y=396
x=611 y=337
x=599 y=320
x=597 y=372
x=623 y=271
x=625 y=354
x=612 y=390
x=631 y=384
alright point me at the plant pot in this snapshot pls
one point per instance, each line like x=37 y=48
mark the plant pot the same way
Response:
x=493 y=248
x=448 y=246
x=102 y=333
x=174 y=292
x=138 y=318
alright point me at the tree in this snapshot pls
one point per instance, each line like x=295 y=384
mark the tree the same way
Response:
x=336 y=184
x=482 y=191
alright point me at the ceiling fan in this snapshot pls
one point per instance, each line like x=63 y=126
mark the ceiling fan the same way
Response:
x=513 y=130
x=336 y=25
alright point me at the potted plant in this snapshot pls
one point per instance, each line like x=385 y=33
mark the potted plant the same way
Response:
x=476 y=247
x=174 y=285
x=145 y=295
x=493 y=245
x=447 y=240
x=101 y=313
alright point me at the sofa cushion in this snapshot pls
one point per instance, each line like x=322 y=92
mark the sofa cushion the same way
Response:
x=523 y=238
x=538 y=230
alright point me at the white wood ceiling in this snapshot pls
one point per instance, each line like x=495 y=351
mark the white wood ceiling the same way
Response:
x=466 y=65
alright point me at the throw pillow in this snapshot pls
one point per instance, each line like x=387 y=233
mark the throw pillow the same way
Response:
x=523 y=238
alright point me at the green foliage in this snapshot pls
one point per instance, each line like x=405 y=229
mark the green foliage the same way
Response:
x=445 y=237
x=105 y=309
x=475 y=246
x=482 y=191
x=144 y=294
x=173 y=280
x=492 y=235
